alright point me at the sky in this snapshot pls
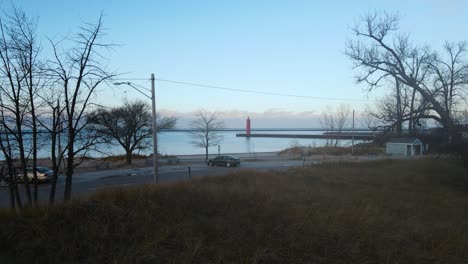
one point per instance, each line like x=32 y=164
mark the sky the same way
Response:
x=286 y=47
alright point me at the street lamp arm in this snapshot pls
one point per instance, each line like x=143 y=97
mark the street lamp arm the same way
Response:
x=134 y=87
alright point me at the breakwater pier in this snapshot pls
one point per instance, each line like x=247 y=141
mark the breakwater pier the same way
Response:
x=326 y=135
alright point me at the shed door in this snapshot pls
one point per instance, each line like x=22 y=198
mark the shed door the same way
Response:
x=408 y=150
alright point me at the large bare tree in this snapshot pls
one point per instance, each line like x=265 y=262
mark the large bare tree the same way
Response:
x=205 y=131
x=78 y=72
x=129 y=125
x=450 y=76
x=381 y=52
x=19 y=71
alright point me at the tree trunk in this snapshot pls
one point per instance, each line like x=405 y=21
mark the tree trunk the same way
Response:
x=53 y=136
x=450 y=126
x=10 y=189
x=34 y=158
x=11 y=174
x=25 y=173
x=14 y=183
x=17 y=195
x=412 y=122
x=129 y=156
x=31 y=87
x=70 y=162
x=399 y=117
x=68 y=175
x=53 y=184
x=206 y=153
x=23 y=158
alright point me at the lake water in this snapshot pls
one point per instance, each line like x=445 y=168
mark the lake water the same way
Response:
x=180 y=143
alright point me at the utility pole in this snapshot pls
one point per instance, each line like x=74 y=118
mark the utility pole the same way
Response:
x=352 y=144
x=155 y=131
x=153 y=123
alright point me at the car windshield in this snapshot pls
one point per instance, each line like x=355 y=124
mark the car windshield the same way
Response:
x=39 y=169
x=42 y=169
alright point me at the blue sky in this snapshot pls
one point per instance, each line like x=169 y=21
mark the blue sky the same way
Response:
x=293 y=47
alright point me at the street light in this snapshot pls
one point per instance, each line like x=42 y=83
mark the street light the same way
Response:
x=153 y=122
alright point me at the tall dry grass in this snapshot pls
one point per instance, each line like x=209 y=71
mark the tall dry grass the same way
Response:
x=359 y=149
x=377 y=212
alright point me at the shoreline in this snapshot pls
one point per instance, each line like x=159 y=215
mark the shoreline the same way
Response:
x=116 y=162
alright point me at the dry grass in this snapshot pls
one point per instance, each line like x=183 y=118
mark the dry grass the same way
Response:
x=121 y=158
x=376 y=212
x=359 y=149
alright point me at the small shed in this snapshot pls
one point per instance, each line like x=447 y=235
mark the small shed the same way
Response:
x=404 y=147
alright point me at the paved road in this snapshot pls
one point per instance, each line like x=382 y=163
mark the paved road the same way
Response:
x=87 y=183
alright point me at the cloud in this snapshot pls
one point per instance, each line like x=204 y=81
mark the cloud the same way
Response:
x=270 y=118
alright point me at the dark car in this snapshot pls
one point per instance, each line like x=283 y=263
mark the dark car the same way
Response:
x=224 y=160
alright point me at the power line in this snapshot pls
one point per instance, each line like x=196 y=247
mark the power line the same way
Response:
x=232 y=89
x=93 y=79
x=133 y=79
x=260 y=92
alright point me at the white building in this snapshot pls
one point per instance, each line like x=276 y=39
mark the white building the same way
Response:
x=404 y=147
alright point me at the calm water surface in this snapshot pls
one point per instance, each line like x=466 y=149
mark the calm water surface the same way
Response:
x=180 y=143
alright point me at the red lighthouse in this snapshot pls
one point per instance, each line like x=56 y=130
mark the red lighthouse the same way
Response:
x=247 y=127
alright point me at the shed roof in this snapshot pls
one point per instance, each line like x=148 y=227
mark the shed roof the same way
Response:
x=403 y=140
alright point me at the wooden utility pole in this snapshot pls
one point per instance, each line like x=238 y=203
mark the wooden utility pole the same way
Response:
x=352 y=144
x=155 y=131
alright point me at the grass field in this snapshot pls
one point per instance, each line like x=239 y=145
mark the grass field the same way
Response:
x=386 y=211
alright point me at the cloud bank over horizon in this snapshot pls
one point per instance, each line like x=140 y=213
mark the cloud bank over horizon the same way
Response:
x=271 y=118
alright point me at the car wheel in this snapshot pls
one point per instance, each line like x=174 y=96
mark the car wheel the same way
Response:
x=228 y=164
x=210 y=163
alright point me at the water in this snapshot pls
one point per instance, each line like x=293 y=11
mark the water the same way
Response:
x=180 y=143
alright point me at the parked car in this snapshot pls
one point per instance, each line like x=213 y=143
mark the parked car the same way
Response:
x=224 y=160
x=43 y=174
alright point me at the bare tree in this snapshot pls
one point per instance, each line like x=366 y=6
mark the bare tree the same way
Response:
x=381 y=53
x=450 y=77
x=53 y=125
x=402 y=106
x=334 y=122
x=18 y=88
x=78 y=72
x=129 y=125
x=205 y=131
x=8 y=149
x=28 y=50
